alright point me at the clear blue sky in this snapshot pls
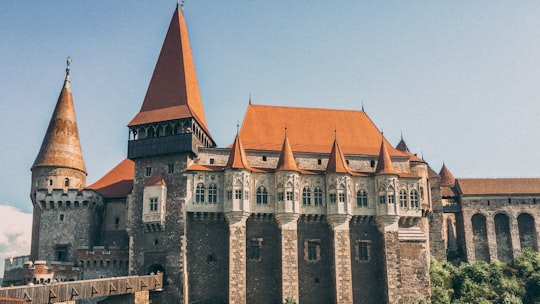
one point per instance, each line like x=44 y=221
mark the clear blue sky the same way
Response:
x=460 y=79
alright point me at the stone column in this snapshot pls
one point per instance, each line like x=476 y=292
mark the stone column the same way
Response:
x=491 y=238
x=288 y=224
x=142 y=297
x=514 y=234
x=388 y=226
x=237 y=256
x=342 y=257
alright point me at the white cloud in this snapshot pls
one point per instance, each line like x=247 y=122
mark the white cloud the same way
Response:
x=15 y=233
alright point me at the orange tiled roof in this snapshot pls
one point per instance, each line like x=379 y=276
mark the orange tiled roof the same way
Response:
x=286 y=160
x=118 y=182
x=447 y=178
x=155 y=180
x=310 y=130
x=173 y=92
x=384 y=163
x=238 y=158
x=61 y=146
x=500 y=186
x=447 y=191
x=336 y=161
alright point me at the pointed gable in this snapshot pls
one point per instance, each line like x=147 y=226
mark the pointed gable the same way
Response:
x=286 y=158
x=447 y=179
x=237 y=158
x=402 y=146
x=173 y=92
x=61 y=146
x=310 y=130
x=384 y=163
x=337 y=162
x=118 y=182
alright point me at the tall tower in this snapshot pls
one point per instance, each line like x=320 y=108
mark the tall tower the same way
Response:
x=165 y=137
x=63 y=219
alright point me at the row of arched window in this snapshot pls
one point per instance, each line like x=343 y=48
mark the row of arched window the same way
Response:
x=173 y=128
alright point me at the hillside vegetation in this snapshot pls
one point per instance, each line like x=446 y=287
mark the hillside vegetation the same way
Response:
x=514 y=282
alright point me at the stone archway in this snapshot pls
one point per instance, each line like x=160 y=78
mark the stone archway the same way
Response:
x=527 y=231
x=504 y=239
x=480 y=242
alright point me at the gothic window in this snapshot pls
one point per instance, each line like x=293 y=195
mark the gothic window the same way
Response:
x=391 y=198
x=212 y=194
x=290 y=195
x=341 y=197
x=382 y=199
x=229 y=194
x=238 y=194
x=361 y=198
x=312 y=250
x=254 y=249
x=333 y=198
x=151 y=132
x=281 y=196
x=199 y=193
x=318 y=196
x=262 y=195
x=306 y=196
x=403 y=198
x=153 y=204
x=168 y=130
x=363 y=248
x=148 y=171
x=414 y=199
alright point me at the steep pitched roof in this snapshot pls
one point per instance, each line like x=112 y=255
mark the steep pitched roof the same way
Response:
x=310 y=130
x=336 y=161
x=238 y=158
x=498 y=186
x=173 y=92
x=286 y=158
x=447 y=179
x=61 y=146
x=402 y=146
x=118 y=182
x=384 y=163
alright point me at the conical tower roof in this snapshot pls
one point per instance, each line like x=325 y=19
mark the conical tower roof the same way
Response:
x=61 y=146
x=384 y=163
x=173 y=92
x=447 y=178
x=237 y=158
x=402 y=146
x=286 y=158
x=336 y=161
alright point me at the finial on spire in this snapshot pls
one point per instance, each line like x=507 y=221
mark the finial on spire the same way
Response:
x=401 y=131
x=68 y=63
x=335 y=133
x=363 y=106
x=249 y=98
x=237 y=127
x=285 y=130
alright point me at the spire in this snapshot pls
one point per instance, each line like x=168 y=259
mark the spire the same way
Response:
x=173 y=92
x=61 y=146
x=337 y=162
x=447 y=178
x=402 y=146
x=384 y=163
x=286 y=158
x=237 y=158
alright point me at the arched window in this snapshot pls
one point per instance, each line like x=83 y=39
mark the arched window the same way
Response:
x=262 y=195
x=306 y=196
x=318 y=196
x=168 y=130
x=212 y=194
x=361 y=198
x=199 y=193
x=414 y=199
x=403 y=198
x=151 y=132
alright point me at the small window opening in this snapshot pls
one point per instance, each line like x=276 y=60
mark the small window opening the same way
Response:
x=212 y=161
x=264 y=158
x=211 y=258
x=319 y=162
x=372 y=164
x=66 y=182
x=171 y=168
x=148 y=171
x=61 y=217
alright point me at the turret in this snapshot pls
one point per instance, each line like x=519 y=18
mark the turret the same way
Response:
x=287 y=182
x=65 y=217
x=238 y=181
x=386 y=179
x=338 y=180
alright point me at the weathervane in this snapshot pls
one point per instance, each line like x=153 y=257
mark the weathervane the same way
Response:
x=68 y=63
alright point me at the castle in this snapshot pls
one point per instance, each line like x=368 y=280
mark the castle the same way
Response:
x=306 y=205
